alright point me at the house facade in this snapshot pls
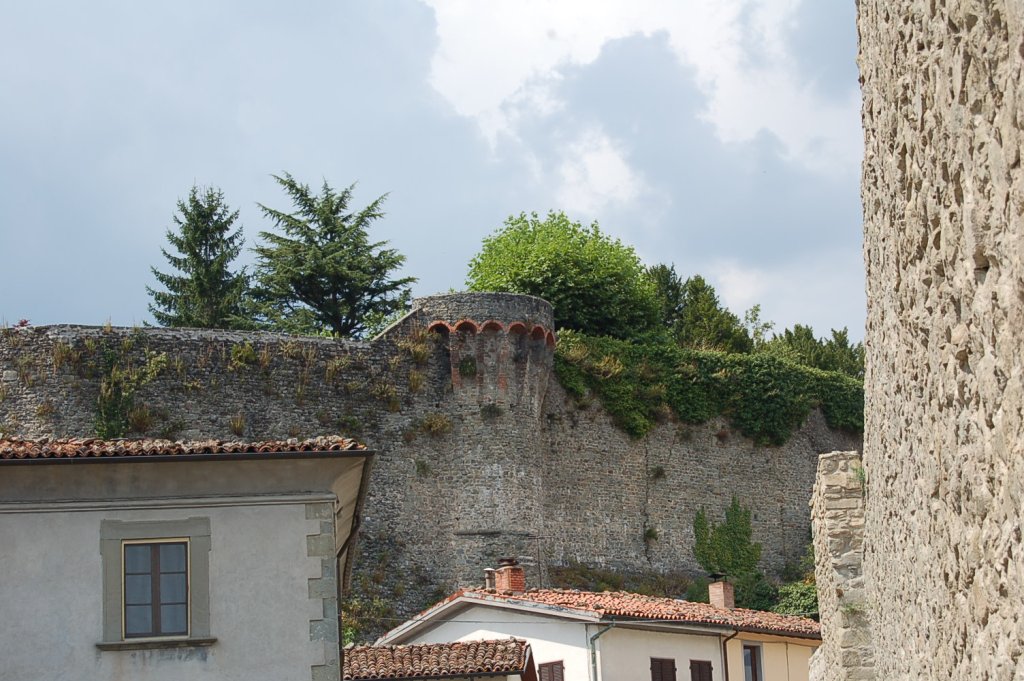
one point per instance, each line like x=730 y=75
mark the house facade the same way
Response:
x=152 y=560
x=507 y=659
x=620 y=636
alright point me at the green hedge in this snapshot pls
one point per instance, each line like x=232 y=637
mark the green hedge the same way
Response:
x=764 y=397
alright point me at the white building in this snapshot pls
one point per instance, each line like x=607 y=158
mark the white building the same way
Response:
x=153 y=560
x=619 y=636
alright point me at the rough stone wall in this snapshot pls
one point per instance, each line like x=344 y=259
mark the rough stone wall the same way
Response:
x=837 y=513
x=480 y=453
x=943 y=192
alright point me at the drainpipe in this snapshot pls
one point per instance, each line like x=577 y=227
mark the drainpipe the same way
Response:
x=725 y=653
x=593 y=649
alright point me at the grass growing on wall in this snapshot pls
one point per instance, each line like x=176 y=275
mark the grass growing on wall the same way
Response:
x=765 y=397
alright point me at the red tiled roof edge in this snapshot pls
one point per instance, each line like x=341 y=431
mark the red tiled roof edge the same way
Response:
x=433 y=660
x=15 y=450
x=637 y=606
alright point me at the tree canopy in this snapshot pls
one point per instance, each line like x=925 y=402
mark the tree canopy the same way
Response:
x=596 y=284
x=206 y=293
x=323 y=274
x=830 y=354
x=691 y=312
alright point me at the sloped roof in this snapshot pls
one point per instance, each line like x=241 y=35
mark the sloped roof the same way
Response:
x=92 y=449
x=619 y=605
x=623 y=604
x=432 y=660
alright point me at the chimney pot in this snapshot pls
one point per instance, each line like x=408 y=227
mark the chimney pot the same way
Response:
x=489 y=578
x=722 y=595
x=510 y=576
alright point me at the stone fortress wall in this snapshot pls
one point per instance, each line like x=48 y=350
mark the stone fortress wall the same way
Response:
x=480 y=453
x=943 y=193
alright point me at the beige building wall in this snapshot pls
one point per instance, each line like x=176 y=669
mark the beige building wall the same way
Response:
x=782 y=659
x=625 y=654
x=943 y=192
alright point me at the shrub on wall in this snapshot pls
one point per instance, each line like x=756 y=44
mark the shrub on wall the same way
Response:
x=765 y=397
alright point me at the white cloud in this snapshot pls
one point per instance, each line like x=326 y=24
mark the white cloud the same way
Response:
x=825 y=293
x=594 y=174
x=498 y=56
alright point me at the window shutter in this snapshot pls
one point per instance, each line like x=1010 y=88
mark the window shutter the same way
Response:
x=700 y=670
x=663 y=669
x=552 y=671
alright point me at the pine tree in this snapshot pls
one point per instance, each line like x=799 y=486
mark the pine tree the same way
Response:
x=323 y=274
x=205 y=293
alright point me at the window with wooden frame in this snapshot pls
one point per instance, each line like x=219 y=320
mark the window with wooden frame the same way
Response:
x=155 y=588
x=156 y=583
x=552 y=671
x=663 y=669
x=700 y=670
x=752 y=663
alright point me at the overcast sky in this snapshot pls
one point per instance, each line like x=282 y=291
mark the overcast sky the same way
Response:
x=722 y=137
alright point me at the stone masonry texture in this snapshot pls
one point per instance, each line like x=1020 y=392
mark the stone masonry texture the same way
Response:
x=480 y=453
x=837 y=511
x=943 y=194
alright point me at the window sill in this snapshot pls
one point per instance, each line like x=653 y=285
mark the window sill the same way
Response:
x=153 y=643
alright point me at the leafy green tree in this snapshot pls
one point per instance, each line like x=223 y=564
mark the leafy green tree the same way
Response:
x=705 y=323
x=837 y=353
x=206 y=293
x=756 y=327
x=800 y=595
x=596 y=284
x=727 y=549
x=323 y=274
x=668 y=288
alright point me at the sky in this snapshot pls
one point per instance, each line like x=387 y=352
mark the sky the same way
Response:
x=720 y=137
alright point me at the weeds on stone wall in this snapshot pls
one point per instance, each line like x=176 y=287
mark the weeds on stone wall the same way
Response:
x=45 y=409
x=576 y=575
x=416 y=380
x=65 y=354
x=242 y=355
x=434 y=424
x=334 y=368
x=120 y=378
x=467 y=367
x=121 y=375
x=764 y=397
x=416 y=344
x=490 y=411
x=368 y=610
x=350 y=425
x=140 y=420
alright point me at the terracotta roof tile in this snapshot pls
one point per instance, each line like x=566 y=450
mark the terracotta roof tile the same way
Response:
x=11 y=449
x=432 y=660
x=613 y=604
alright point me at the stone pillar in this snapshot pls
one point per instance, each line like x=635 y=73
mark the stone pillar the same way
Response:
x=837 y=514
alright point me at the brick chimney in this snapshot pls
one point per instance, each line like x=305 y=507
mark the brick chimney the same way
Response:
x=721 y=595
x=510 y=576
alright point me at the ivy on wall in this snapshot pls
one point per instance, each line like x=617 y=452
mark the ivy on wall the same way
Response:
x=764 y=397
